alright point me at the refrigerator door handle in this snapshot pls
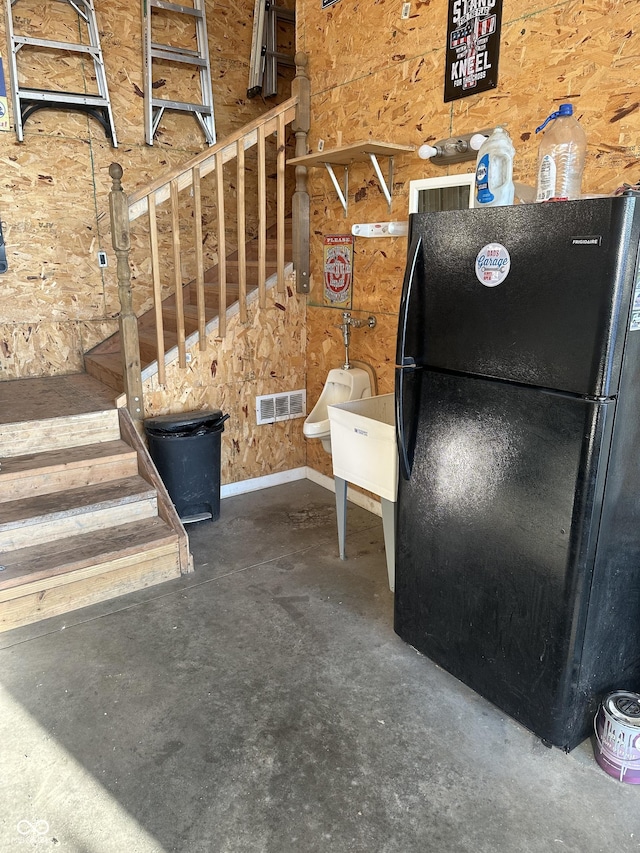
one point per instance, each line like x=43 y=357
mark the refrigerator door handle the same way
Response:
x=402 y=357
x=405 y=448
x=407 y=372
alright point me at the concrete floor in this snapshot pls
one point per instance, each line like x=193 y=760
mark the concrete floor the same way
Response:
x=265 y=705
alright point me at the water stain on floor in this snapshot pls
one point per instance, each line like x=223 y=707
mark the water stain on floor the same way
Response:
x=310 y=517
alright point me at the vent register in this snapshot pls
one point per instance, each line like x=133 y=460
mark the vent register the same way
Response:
x=281 y=407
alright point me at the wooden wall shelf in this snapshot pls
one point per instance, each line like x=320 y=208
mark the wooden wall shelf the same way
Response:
x=357 y=152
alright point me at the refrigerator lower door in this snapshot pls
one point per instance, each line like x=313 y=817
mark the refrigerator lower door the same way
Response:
x=497 y=527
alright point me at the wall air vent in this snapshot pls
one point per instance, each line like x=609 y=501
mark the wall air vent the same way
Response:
x=281 y=407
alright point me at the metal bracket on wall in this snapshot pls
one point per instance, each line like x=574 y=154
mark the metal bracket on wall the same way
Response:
x=357 y=153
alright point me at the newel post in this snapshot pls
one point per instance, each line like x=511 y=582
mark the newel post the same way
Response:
x=300 y=203
x=129 y=345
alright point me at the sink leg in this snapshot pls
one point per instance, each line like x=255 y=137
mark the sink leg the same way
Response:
x=341 y=513
x=389 y=530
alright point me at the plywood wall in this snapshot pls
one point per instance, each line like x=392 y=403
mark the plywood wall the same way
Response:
x=376 y=76
x=55 y=302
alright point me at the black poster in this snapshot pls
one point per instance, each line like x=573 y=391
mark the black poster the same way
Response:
x=473 y=47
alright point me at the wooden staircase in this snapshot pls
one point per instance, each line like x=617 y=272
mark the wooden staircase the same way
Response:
x=83 y=515
x=104 y=361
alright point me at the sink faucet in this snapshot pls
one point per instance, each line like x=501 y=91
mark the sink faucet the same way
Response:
x=349 y=322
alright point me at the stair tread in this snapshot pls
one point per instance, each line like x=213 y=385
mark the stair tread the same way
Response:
x=66 y=458
x=70 y=502
x=73 y=553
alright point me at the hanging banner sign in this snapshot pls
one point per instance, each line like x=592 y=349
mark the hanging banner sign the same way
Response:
x=338 y=270
x=473 y=47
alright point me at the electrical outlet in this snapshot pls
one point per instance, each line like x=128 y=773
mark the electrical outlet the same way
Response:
x=406 y=11
x=321 y=145
x=187 y=356
x=102 y=259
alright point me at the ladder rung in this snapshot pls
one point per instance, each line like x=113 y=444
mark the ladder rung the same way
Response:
x=156 y=45
x=175 y=7
x=52 y=95
x=175 y=55
x=163 y=103
x=280 y=58
x=56 y=45
x=287 y=15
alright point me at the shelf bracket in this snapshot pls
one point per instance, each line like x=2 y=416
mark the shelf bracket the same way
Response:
x=384 y=186
x=342 y=195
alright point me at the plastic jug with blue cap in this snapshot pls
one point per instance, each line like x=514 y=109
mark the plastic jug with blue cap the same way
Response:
x=561 y=156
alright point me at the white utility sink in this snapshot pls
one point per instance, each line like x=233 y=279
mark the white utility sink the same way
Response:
x=364 y=452
x=363 y=441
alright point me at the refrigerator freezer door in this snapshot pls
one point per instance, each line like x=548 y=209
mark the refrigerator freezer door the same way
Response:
x=538 y=294
x=496 y=531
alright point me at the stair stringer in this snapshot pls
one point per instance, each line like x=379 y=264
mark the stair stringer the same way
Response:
x=147 y=470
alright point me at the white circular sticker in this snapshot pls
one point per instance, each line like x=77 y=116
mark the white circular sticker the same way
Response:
x=492 y=264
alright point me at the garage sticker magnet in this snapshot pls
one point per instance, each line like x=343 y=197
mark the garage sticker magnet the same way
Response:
x=493 y=263
x=338 y=270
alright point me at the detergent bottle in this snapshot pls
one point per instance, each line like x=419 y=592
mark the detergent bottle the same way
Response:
x=494 y=170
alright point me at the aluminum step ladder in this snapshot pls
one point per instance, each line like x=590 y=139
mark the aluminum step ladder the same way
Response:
x=27 y=100
x=154 y=107
x=265 y=57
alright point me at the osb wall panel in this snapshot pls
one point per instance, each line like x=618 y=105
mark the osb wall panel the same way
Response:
x=34 y=348
x=265 y=355
x=54 y=186
x=375 y=76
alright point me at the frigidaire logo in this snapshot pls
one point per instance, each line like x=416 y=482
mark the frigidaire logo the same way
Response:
x=596 y=240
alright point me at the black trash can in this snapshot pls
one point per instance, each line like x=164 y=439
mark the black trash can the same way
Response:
x=186 y=452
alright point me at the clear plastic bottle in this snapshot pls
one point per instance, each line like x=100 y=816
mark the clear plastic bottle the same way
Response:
x=561 y=156
x=494 y=170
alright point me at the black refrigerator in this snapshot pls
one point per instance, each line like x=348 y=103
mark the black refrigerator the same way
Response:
x=518 y=423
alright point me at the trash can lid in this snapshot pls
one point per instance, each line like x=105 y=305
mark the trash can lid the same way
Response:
x=168 y=424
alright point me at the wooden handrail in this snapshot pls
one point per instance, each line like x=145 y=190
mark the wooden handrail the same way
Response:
x=294 y=112
x=206 y=160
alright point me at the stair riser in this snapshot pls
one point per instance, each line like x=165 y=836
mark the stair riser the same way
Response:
x=108 y=581
x=110 y=377
x=32 y=483
x=233 y=277
x=62 y=578
x=149 y=351
x=211 y=294
x=43 y=530
x=170 y=323
x=38 y=436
